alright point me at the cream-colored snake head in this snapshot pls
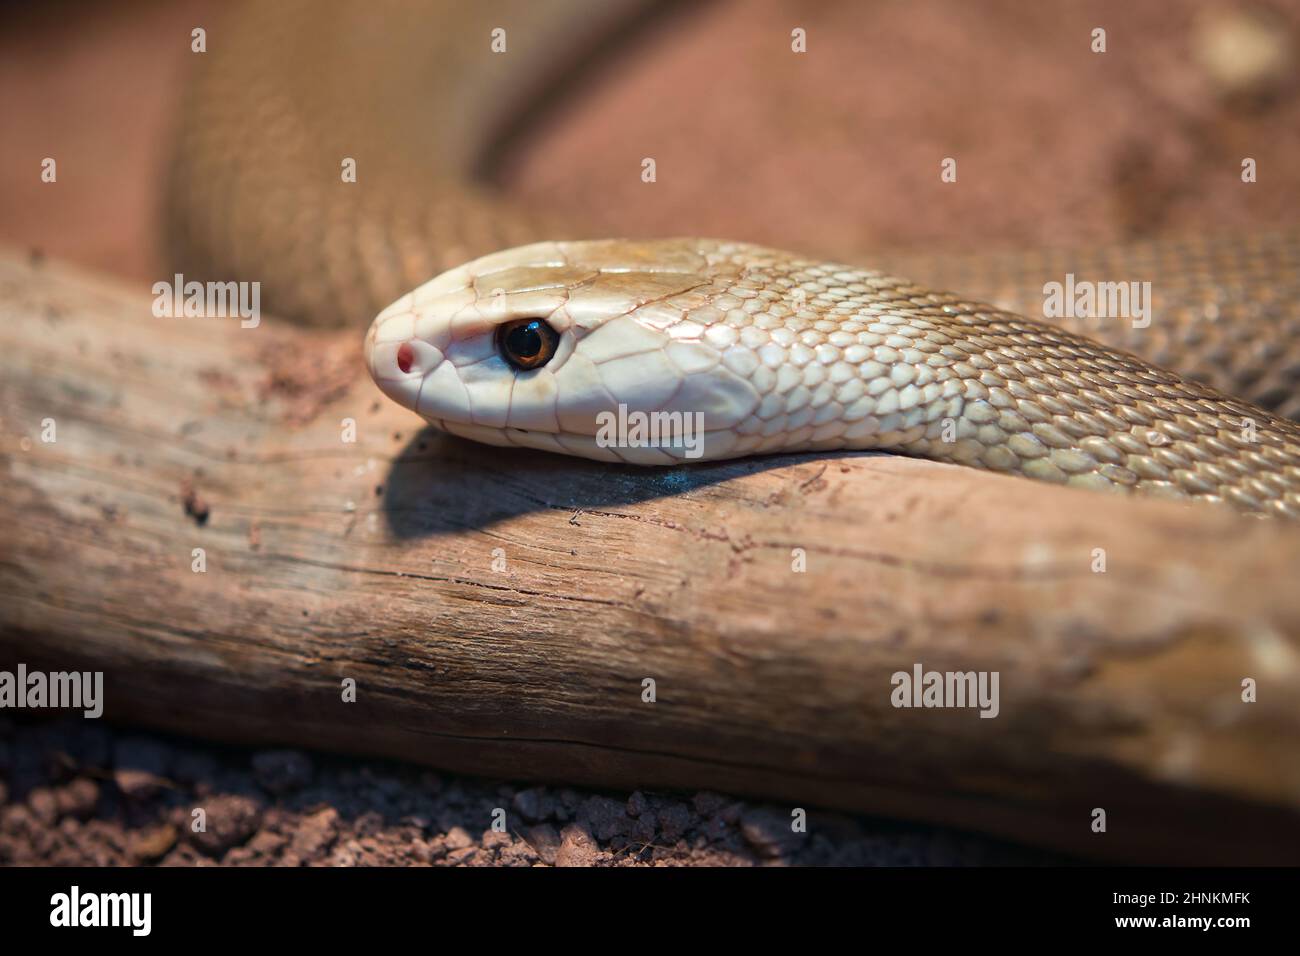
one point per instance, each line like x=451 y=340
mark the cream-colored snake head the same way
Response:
x=734 y=349
x=607 y=324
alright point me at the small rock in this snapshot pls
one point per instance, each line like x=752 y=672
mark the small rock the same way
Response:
x=138 y=784
x=78 y=798
x=674 y=821
x=266 y=844
x=282 y=771
x=576 y=847
x=152 y=843
x=437 y=847
x=518 y=853
x=567 y=802
x=534 y=804
x=230 y=821
x=463 y=856
x=458 y=838
x=421 y=852
x=637 y=804
x=18 y=819
x=604 y=817
x=545 y=840
x=43 y=805
x=643 y=828
x=346 y=854
x=316 y=833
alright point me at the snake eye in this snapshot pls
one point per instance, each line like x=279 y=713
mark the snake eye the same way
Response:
x=527 y=343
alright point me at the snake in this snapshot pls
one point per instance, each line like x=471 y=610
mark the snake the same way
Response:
x=512 y=326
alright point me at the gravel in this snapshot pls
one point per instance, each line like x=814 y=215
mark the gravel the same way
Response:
x=81 y=793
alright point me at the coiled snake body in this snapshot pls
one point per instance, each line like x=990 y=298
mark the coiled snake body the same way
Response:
x=777 y=352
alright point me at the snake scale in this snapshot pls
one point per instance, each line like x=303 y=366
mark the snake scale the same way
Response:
x=777 y=352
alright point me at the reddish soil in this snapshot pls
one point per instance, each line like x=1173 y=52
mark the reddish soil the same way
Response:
x=78 y=792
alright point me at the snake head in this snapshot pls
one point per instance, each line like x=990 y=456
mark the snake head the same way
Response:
x=540 y=345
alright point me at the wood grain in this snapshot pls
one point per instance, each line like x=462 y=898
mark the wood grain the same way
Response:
x=374 y=560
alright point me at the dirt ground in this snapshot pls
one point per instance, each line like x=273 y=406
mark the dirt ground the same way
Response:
x=78 y=792
x=751 y=142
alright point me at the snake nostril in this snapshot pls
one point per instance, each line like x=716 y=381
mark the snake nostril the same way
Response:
x=405 y=356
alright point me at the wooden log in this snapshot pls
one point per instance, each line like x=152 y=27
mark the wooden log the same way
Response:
x=500 y=611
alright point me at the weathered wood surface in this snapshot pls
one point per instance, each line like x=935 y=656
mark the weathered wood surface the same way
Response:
x=374 y=560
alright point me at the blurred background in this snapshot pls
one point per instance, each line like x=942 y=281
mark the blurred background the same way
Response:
x=834 y=152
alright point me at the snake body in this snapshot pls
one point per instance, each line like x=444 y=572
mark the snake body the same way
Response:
x=780 y=353
x=777 y=352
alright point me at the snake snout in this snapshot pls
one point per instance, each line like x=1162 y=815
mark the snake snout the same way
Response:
x=398 y=359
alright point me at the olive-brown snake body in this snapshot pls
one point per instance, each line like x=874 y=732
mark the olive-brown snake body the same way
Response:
x=777 y=352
